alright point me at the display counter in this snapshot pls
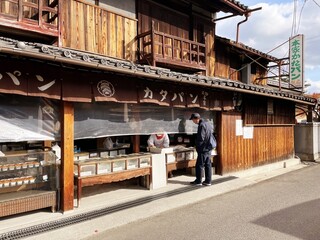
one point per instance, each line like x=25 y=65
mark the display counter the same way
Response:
x=180 y=158
x=27 y=181
x=120 y=149
x=99 y=170
x=100 y=166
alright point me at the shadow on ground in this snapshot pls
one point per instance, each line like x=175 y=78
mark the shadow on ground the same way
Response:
x=301 y=221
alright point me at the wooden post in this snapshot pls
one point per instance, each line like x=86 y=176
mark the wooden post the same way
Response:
x=46 y=147
x=309 y=116
x=136 y=138
x=47 y=144
x=40 y=5
x=153 y=62
x=136 y=143
x=67 y=138
x=190 y=52
x=20 y=10
x=279 y=66
x=218 y=160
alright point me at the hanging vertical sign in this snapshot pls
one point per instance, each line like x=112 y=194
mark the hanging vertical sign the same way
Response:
x=296 y=61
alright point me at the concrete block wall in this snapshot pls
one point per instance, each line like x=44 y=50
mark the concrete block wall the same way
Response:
x=307 y=141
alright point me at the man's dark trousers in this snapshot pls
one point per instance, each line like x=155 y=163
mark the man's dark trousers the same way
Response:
x=203 y=161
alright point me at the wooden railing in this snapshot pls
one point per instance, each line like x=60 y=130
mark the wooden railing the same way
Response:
x=34 y=15
x=158 y=48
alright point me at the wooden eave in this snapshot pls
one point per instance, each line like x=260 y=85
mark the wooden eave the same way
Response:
x=102 y=63
x=227 y=6
x=236 y=6
x=247 y=49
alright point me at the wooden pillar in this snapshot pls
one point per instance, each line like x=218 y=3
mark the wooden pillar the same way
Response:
x=218 y=130
x=47 y=144
x=67 y=152
x=309 y=116
x=136 y=138
x=136 y=143
x=210 y=52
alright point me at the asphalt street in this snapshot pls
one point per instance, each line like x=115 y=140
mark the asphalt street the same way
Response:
x=286 y=207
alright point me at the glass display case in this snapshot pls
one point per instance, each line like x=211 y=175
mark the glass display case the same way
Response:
x=181 y=154
x=120 y=149
x=107 y=169
x=111 y=164
x=181 y=157
x=104 y=167
x=27 y=175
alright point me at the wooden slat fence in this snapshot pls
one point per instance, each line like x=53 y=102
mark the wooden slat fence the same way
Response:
x=95 y=29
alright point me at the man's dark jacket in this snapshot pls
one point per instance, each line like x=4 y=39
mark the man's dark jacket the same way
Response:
x=204 y=133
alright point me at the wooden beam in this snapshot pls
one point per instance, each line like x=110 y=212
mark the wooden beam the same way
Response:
x=67 y=144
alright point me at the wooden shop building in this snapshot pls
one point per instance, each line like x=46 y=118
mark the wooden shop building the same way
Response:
x=76 y=73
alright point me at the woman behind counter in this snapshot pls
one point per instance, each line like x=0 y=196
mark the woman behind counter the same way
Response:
x=159 y=140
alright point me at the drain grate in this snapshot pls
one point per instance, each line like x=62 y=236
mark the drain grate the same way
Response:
x=49 y=226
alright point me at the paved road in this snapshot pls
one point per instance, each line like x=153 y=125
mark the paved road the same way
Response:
x=282 y=208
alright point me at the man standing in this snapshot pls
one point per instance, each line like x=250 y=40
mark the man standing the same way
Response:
x=203 y=147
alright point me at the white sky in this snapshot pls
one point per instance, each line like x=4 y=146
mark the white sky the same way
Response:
x=273 y=25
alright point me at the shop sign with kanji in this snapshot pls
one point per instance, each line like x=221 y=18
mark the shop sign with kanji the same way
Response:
x=296 y=61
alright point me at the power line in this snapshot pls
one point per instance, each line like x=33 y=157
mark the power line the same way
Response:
x=294 y=15
x=316 y=3
x=256 y=60
x=314 y=38
x=304 y=3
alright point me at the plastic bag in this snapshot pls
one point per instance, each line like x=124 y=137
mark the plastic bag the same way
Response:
x=212 y=142
x=108 y=143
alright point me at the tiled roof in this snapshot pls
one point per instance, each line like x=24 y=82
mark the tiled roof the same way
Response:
x=103 y=63
x=242 y=6
x=246 y=48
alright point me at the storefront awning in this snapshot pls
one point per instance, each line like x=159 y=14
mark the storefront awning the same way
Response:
x=29 y=78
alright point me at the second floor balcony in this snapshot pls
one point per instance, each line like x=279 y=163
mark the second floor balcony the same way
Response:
x=30 y=16
x=163 y=50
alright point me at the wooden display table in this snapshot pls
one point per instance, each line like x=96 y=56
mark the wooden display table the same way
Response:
x=181 y=165
x=113 y=169
x=24 y=201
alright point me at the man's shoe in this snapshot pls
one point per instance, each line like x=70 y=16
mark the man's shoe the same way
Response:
x=195 y=183
x=206 y=184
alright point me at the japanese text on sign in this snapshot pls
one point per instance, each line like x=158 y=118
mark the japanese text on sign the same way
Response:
x=296 y=61
x=164 y=94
